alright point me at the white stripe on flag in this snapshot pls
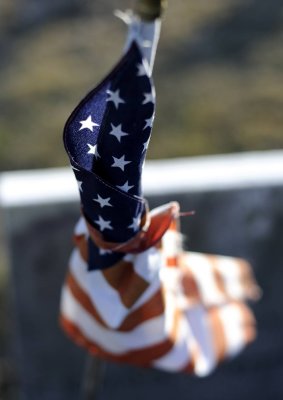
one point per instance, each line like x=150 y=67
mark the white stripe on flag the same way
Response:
x=232 y=320
x=202 y=271
x=107 y=300
x=230 y=271
x=81 y=228
x=198 y=321
x=147 y=334
x=179 y=356
x=146 y=264
x=171 y=243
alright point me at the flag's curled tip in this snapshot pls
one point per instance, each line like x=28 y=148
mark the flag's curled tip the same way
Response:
x=126 y=16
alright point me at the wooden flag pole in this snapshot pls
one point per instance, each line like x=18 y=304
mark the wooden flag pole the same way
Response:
x=149 y=10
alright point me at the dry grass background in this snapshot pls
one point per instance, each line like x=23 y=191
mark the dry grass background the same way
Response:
x=218 y=75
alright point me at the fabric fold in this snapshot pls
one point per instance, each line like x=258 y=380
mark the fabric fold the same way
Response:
x=132 y=293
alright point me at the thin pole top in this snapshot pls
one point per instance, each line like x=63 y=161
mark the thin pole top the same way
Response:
x=149 y=10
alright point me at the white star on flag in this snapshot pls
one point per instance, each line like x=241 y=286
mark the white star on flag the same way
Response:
x=145 y=145
x=149 y=122
x=117 y=132
x=126 y=187
x=93 y=150
x=88 y=124
x=103 y=202
x=80 y=185
x=142 y=69
x=148 y=98
x=115 y=97
x=120 y=162
x=103 y=252
x=103 y=224
x=146 y=43
x=135 y=224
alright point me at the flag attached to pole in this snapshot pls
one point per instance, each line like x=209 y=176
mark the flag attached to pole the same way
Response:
x=132 y=294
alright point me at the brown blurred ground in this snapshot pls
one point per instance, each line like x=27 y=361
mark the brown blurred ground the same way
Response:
x=218 y=75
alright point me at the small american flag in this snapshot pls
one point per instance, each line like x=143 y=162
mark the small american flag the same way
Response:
x=106 y=138
x=162 y=308
x=132 y=294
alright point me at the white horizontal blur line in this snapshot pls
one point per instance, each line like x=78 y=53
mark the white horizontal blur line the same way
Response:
x=219 y=172
x=195 y=174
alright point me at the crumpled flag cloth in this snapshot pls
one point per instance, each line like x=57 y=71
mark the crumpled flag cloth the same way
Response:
x=164 y=308
x=132 y=294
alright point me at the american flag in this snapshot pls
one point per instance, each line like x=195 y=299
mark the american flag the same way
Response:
x=132 y=294
x=106 y=138
x=161 y=308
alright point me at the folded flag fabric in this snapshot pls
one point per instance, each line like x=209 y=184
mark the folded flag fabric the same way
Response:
x=132 y=294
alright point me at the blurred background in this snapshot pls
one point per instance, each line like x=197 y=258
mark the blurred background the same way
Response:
x=218 y=77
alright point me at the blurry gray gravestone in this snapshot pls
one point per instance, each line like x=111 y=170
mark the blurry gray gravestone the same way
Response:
x=238 y=202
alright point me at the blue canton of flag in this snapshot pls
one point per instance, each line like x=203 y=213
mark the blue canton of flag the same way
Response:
x=106 y=138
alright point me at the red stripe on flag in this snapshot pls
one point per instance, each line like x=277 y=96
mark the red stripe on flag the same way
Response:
x=141 y=357
x=151 y=309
